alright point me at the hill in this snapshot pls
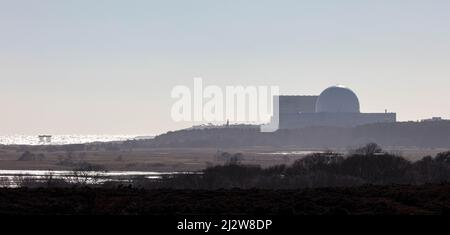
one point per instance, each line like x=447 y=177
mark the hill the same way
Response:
x=402 y=134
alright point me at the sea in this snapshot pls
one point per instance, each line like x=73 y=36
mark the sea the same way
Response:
x=66 y=139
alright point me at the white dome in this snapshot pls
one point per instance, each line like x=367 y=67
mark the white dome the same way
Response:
x=337 y=99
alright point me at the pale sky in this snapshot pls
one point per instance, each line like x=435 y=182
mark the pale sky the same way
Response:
x=108 y=66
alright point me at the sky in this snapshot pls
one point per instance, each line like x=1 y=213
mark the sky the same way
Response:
x=109 y=66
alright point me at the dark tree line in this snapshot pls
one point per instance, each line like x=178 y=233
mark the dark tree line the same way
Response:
x=368 y=165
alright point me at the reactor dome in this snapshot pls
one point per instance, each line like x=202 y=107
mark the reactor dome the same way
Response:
x=337 y=99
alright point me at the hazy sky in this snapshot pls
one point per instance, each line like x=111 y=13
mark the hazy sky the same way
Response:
x=108 y=66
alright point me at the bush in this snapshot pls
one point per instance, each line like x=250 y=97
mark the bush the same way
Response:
x=315 y=162
x=368 y=150
x=378 y=169
x=431 y=170
x=443 y=158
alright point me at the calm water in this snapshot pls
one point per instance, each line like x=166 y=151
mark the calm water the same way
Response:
x=299 y=152
x=65 y=139
x=9 y=178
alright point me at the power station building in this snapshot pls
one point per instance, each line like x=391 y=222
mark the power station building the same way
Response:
x=336 y=106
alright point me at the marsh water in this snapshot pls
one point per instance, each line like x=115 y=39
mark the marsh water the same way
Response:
x=12 y=178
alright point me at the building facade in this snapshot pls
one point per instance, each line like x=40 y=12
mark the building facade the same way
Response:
x=336 y=106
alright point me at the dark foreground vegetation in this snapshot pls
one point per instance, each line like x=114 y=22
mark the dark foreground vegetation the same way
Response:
x=385 y=200
x=367 y=181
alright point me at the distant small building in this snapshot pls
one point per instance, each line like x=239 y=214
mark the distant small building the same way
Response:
x=45 y=138
x=434 y=119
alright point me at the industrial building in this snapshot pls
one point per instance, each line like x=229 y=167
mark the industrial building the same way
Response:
x=336 y=106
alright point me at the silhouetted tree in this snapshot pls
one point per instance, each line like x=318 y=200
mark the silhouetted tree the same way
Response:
x=235 y=159
x=443 y=157
x=369 y=149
